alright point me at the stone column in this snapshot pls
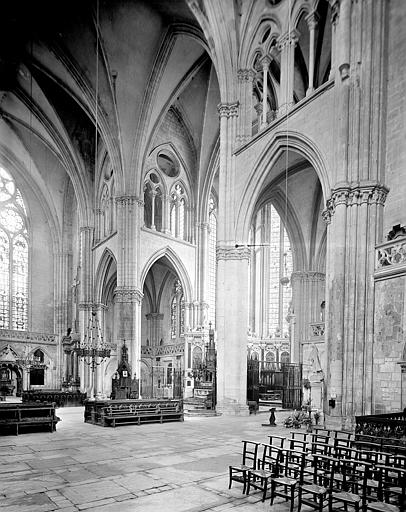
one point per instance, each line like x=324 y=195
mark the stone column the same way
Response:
x=245 y=80
x=232 y=279
x=355 y=208
x=232 y=329
x=86 y=298
x=153 y=195
x=286 y=45
x=128 y=295
x=335 y=8
x=311 y=19
x=265 y=62
x=352 y=209
x=63 y=304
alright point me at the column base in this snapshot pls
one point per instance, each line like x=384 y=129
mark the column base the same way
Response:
x=232 y=408
x=339 y=422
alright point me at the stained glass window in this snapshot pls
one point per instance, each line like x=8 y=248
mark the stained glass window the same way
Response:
x=13 y=256
x=273 y=266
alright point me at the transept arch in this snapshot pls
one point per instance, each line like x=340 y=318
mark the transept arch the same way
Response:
x=281 y=141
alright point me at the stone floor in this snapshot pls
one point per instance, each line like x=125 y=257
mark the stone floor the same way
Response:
x=176 y=466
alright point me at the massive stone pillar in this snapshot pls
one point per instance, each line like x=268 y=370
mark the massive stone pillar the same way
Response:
x=232 y=322
x=354 y=209
x=232 y=280
x=128 y=296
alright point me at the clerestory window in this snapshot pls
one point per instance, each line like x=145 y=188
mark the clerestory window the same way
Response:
x=13 y=256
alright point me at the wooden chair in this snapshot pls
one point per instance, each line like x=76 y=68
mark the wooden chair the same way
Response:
x=349 y=485
x=392 y=490
x=239 y=472
x=268 y=467
x=286 y=485
x=277 y=441
x=316 y=494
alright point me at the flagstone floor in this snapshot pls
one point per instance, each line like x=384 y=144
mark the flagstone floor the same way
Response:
x=179 y=467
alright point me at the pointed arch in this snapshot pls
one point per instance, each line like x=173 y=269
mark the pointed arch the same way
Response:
x=106 y=261
x=280 y=142
x=178 y=265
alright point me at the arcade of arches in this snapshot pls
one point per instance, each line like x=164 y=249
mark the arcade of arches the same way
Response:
x=167 y=166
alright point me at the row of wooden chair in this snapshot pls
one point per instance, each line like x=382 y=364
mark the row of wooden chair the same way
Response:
x=323 y=470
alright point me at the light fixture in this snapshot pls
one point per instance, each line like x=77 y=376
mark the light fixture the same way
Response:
x=93 y=350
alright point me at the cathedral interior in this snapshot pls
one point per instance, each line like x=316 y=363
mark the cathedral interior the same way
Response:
x=179 y=175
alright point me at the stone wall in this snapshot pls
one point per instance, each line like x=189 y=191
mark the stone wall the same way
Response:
x=388 y=344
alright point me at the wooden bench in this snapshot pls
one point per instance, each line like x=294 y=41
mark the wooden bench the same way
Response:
x=123 y=414
x=14 y=416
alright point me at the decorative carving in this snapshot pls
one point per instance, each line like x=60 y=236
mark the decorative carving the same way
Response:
x=355 y=194
x=39 y=337
x=246 y=75
x=228 y=109
x=163 y=350
x=396 y=232
x=124 y=201
x=318 y=329
x=127 y=294
x=289 y=38
x=391 y=254
x=233 y=253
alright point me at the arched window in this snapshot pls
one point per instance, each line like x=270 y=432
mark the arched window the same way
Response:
x=177 y=311
x=178 y=219
x=13 y=256
x=153 y=202
x=212 y=261
x=272 y=267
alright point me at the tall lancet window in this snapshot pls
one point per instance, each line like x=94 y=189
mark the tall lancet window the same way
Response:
x=280 y=291
x=177 y=311
x=13 y=256
x=212 y=261
x=271 y=271
x=178 y=218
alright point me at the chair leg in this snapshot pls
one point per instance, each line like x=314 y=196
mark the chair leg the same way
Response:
x=273 y=485
x=248 y=484
x=265 y=489
x=244 y=475
x=292 y=498
x=230 y=479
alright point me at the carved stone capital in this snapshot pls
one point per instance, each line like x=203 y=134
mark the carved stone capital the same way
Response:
x=307 y=275
x=288 y=39
x=99 y=306
x=85 y=306
x=246 y=75
x=228 y=109
x=335 y=11
x=233 y=253
x=265 y=62
x=355 y=194
x=312 y=20
x=127 y=294
x=129 y=200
